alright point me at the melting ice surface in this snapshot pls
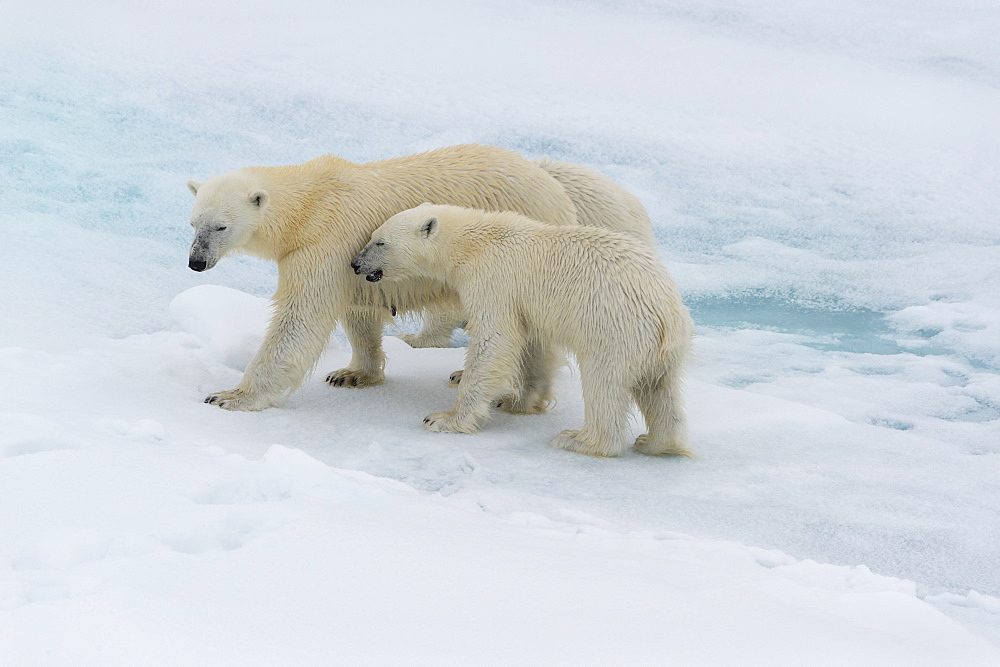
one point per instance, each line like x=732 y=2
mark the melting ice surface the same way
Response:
x=822 y=180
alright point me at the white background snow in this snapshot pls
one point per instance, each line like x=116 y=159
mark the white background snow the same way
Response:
x=822 y=177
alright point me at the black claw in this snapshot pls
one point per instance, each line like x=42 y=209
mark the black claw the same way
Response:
x=354 y=381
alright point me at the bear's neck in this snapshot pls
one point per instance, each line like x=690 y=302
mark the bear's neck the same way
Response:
x=299 y=196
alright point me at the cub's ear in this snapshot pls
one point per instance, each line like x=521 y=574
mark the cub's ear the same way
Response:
x=429 y=227
x=259 y=198
x=193 y=186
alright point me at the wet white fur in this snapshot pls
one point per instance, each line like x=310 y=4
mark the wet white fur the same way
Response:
x=598 y=201
x=313 y=218
x=530 y=289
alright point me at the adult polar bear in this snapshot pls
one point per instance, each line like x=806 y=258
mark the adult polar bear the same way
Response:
x=311 y=219
x=600 y=294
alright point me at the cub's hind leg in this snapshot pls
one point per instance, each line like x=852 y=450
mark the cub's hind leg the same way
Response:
x=534 y=394
x=607 y=404
x=659 y=401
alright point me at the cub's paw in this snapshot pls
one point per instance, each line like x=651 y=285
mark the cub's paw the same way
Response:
x=420 y=340
x=455 y=378
x=644 y=445
x=346 y=377
x=449 y=422
x=239 y=400
x=530 y=405
x=570 y=441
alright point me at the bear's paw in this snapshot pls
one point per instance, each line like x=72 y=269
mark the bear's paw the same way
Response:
x=426 y=340
x=239 y=400
x=450 y=422
x=347 y=377
x=571 y=442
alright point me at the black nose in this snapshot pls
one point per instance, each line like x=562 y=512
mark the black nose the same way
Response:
x=356 y=266
x=197 y=264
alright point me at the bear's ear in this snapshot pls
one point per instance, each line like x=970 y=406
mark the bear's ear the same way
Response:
x=429 y=227
x=259 y=198
x=193 y=186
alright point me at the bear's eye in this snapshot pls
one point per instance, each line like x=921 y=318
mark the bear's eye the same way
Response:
x=221 y=228
x=380 y=243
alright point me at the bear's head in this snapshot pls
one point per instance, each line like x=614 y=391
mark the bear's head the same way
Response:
x=403 y=247
x=227 y=211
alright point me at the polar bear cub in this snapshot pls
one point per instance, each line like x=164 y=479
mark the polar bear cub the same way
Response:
x=531 y=290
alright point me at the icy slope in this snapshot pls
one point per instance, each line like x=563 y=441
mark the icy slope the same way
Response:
x=142 y=526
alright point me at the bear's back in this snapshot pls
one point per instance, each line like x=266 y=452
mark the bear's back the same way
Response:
x=473 y=176
x=600 y=202
x=582 y=287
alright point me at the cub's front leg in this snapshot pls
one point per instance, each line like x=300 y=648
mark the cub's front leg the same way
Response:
x=490 y=366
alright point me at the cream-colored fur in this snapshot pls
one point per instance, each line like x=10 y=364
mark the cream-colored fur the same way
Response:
x=313 y=218
x=600 y=294
x=598 y=201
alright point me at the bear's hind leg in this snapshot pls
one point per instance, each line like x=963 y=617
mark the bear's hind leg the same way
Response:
x=659 y=400
x=606 y=407
x=436 y=330
x=363 y=327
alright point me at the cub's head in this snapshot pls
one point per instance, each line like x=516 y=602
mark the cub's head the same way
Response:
x=227 y=211
x=404 y=247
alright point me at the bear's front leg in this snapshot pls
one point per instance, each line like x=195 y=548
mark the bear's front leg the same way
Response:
x=305 y=308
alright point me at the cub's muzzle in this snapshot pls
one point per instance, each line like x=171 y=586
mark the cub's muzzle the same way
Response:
x=364 y=263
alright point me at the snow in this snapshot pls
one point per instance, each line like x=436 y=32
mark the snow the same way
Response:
x=822 y=181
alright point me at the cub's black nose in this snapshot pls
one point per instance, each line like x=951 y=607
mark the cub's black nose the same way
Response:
x=197 y=264
x=355 y=266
